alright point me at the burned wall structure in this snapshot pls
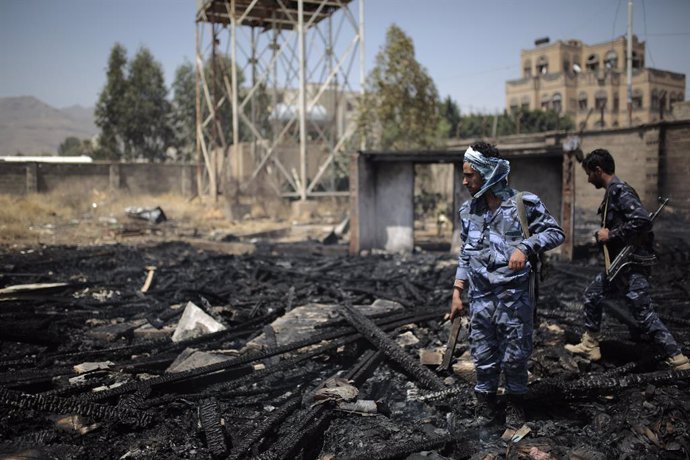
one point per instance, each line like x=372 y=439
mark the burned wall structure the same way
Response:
x=652 y=158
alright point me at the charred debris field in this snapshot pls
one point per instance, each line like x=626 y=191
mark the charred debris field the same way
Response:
x=167 y=351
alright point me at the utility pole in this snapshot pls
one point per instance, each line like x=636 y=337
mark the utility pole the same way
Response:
x=629 y=61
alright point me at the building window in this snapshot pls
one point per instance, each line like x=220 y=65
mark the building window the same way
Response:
x=611 y=60
x=545 y=102
x=542 y=65
x=655 y=100
x=593 y=63
x=524 y=103
x=636 y=61
x=566 y=65
x=556 y=102
x=527 y=69
x=582 y=102
x=637 y=99
x=616 y=103
x=514 y=105
x=600 y=100
x=675 y=97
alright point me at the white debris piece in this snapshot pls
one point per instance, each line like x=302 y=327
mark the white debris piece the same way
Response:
x=92 y=366
x=194 y=323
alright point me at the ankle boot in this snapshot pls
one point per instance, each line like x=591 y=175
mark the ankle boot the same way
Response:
x=485 y=410
x=678 y=362
x=588 y=346
x=515 y=411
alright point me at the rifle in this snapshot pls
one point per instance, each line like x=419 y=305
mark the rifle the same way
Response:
x=625 y=257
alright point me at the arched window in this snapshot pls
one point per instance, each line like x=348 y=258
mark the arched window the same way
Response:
x=611 y=60
x=557 y=102
x=566 y=64
x=675 y=97
x=582 y=101
x=655 y=100
x=593 y=62
x=637 y=99
x=542 y=65
x=637 y=62
x=524 y=103
x=600 y=100
x=545 y=102
x=527 y=68
x=514 y=105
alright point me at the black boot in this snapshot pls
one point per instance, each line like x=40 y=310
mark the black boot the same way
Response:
x=515 y=411
x=485 y=411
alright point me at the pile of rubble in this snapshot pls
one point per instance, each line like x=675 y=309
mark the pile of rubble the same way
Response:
x=168 y=351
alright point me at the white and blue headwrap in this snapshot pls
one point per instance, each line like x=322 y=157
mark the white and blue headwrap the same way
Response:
x=493 y=170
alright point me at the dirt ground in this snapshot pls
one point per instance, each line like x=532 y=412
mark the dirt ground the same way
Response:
x=95 y=218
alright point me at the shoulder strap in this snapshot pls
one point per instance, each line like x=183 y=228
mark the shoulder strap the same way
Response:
x=522 y=214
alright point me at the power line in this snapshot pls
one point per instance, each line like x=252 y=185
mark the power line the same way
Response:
x=615 y=17
x=649 y=50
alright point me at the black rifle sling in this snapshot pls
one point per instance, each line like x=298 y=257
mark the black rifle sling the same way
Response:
x=535 y=261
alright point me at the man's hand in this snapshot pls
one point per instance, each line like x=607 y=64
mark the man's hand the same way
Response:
x=456 y=304
x=602 y=235
x=517 y=260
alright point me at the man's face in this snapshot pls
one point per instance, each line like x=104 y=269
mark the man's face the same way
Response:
x=471 y=179
x=594 y=177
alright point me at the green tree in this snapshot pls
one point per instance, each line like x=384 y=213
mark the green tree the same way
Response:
x=110 y=108
x=184 y=110
x=399 y=109
x=451 y=114
x=71 y=146
x=520 y=122
x=218 y=75
x=147 y=128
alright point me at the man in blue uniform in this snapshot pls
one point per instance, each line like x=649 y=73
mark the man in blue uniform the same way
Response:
x=494 y=267
x=624 y=221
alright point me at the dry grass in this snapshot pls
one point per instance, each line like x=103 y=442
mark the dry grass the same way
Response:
x=83 y=217
x=75 y=215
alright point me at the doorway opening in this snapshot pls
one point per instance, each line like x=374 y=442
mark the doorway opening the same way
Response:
x=433 y=206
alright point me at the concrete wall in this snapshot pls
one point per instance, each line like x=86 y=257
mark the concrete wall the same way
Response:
x=674 y=167
x=382 y=211
x=636 y=153
x=541 y=176
x=137 y=178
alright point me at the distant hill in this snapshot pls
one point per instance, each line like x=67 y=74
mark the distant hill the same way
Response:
x=32 y=127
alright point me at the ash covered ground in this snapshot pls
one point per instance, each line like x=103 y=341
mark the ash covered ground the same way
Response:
x=300 y=351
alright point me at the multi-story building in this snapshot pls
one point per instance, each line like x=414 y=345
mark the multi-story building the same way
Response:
x=589 y=83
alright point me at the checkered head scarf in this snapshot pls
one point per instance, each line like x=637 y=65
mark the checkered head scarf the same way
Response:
x=493 y=170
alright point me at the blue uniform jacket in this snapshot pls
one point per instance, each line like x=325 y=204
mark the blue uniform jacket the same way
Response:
x=489 y=239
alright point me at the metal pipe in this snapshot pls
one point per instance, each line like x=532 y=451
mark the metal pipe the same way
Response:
x=629 y=61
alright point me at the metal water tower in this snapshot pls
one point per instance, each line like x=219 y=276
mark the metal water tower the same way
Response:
x=275 y=95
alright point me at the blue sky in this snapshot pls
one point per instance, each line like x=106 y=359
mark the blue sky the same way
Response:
x=57 y=50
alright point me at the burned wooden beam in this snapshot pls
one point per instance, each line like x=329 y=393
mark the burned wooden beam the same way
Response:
x=402 y=448
x=73 y=406
x=253 y=436
x=209 y=416
x=391 y=349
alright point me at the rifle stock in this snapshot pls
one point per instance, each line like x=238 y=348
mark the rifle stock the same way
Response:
x=624 y=258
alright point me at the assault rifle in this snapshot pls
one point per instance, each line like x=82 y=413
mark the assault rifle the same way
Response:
x=626 y=256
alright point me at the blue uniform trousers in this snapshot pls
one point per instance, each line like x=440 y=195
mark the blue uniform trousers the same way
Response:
x=501 y=339
x=634 y=286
